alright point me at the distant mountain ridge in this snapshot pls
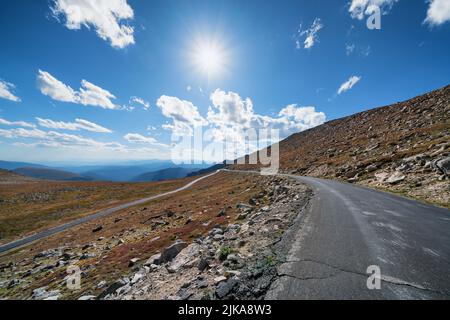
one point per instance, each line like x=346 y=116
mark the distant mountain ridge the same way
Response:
x=50 y=174
x=142 y=171
x=165 y=174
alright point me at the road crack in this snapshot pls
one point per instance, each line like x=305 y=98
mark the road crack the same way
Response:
x=384 y=279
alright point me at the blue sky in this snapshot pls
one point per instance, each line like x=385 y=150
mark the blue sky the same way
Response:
x=78 y=83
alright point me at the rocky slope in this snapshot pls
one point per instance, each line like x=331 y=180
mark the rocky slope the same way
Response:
x=234 y=261
x=403 y=148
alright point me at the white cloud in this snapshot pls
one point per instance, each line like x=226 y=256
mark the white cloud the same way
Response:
x=310 y=33
x=57 y=140
x=88 y=95
x=184 y=115
x=142 y=102
x=349 y=48
x=92 y=95
x=188 y=88
x=360 y=8
x=79 y=124
x=230 y=115
x=55 y=89
x=16 y=123
x=6 y=91
x=104 y=16
x=140 y=139
x=438 y=12
x=349 y=84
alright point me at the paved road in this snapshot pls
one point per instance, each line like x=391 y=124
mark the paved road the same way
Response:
x=100 y=214
x=348 y=228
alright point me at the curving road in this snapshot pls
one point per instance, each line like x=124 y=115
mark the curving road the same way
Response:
x=347 y=228
x=100 y=214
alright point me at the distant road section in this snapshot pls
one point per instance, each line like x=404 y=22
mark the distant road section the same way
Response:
x=100 y=214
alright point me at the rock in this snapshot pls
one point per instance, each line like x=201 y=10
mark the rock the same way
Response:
x=112 y=288
x=172 y=251
x=395 y=178
x=202 y=284
x=88 y=297
x=215 y=231
x=244 y=206
x=218 y=237
x=101 y=284
x=381 y=176
x=202 y=265
x=221 y=213
x=184 y=257
x=132 y=262
x=13 y=283
x=232 y=258
x=154 y=259
x=242 y=216
x=97 y=229
x=444 y=166
x=371 y=168
x=217 y=280
x=136 y=278
x=224 y=288
x=43 y=294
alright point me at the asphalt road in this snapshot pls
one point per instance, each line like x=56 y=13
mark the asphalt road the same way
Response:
x=348 y=228
x=100 y=214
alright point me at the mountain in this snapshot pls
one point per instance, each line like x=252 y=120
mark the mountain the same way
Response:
x=165 y=174
x=403 y=148
x=207 y=170
x=50 y=174
x=12 y=178
x=10 y=165
x=127 y=171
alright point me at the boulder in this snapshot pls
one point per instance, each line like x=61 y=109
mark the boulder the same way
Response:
x=184 y=257
x=154 y=259
x=172 y=251
x=444 y=166
x=396 y=178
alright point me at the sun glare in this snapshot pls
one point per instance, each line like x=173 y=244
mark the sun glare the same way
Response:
x=209 y=58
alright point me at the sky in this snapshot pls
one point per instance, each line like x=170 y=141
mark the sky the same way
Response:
x=113 y=80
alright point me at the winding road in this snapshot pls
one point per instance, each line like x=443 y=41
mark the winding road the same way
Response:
x=343 y=231
x=348 y=228
x=46 y=233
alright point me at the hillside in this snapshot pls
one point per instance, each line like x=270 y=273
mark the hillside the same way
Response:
x=165 y=174
x=402 y=148
x=9 y=177
x=50 y=174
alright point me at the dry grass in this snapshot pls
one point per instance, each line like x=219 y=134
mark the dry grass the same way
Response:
x=144 y=229
x=29 y=205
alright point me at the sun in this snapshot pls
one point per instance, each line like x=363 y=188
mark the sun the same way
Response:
x=209 y=57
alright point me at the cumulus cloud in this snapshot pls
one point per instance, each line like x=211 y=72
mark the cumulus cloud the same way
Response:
x=438 y=12
x=142 y=102
x=310 y=35
x=360 y=8
x=184 y=115
x=107 y=17
x=79 y=124
x=88 y=95
x=6 y=89
x=348 y=84
x=16 y=123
